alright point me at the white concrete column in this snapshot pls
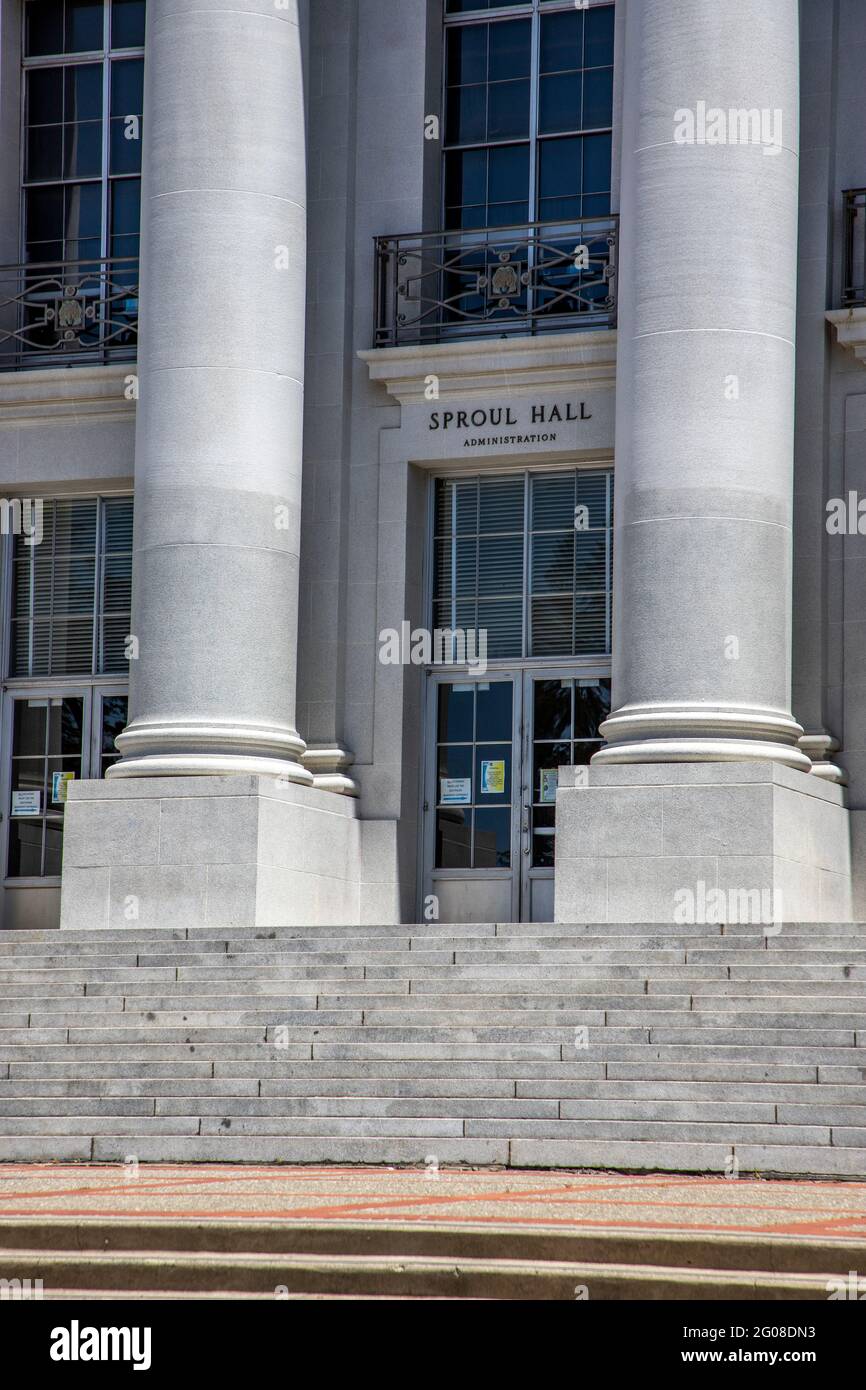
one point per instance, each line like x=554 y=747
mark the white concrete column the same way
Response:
x=705 y=384
x=221 y=368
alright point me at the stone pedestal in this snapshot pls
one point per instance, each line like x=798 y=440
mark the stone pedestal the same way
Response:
x=698 y=842
x=223 y=852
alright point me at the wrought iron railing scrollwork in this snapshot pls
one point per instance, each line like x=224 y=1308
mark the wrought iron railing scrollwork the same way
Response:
x=542 y=277
x=68 y=312
x=854 y=288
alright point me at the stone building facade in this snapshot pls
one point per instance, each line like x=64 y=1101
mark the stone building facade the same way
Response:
x=431 y=446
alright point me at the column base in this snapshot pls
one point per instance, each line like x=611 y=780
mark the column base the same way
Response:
x=210 y=750
x=753 y=843
x=639 y=734
x=819 y=747
x=329 y=767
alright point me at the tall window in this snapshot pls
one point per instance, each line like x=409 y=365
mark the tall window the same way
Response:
x=71 y=592
x=528 y=111
x=83 y=88
x=526 y=558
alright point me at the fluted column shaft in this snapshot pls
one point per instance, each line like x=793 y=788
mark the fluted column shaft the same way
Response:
x=705 y=385
x=221 y=369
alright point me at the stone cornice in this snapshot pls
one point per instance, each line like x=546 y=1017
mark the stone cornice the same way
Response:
x=850 y=325
x=64 y=395
x=547 y=362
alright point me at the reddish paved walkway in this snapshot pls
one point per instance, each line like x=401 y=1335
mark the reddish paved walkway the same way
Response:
x=580 y=1200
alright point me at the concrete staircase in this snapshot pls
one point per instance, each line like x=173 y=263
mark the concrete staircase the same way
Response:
x=686 y=1048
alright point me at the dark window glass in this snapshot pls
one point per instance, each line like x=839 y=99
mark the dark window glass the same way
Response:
x=44 y=28
x=83 y=92
x=44 y=153
x=84 y=26
x=45 y=96
x=454 y=838
x=562 y=42
x=489 y=102
x=492 y=839
x=127 y=24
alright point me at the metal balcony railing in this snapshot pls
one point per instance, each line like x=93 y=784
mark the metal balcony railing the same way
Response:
x=854 y=287
x=533 y=278
x=68 y=312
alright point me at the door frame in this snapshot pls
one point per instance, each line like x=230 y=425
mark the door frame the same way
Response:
x=462 y=675
x=521 y=673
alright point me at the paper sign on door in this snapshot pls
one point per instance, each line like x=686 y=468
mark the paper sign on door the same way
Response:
x=492 y=778
x=455 y=791
x=549 y=784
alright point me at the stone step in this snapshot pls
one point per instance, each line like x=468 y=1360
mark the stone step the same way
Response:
x=388 y=1045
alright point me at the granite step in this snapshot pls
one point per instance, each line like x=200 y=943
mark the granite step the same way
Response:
x=703 y=1046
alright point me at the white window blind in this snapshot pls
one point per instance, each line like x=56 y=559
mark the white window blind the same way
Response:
x=528 y=559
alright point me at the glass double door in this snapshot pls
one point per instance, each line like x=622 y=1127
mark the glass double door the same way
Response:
x=495 y=747
x=53 y=737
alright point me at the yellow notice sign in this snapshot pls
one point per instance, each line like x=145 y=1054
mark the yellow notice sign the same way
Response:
x=492 y=778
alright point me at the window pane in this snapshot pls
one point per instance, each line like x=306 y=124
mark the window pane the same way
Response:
x=83 y=216
x=560 y=167
x=44 y=28
x=72 y=591
x=454 y=838
x=25 y=848
x=45 y=96
x=552 y=709
x=591 y=707
x=82 y=150
x=44 y=153
x=125 y=216
x=510 y=49
x=456 y=713
x=28 y=738
x=45 y=216
x=65 y=726
x=509 y=174
x=467 y=55
x=553 y=502
x=492 y=839
x=467 y=115
x=127 y=24
x=596 y=163
x=83 y=92
x=127 y=87
x=553 y=563
x=118 y=512
x=508 y=110
x=552 y=626
x=598 y=99
x=495 y=711
x=466 y=177
x=599 y=37
x=502 y=620
x=112 y=659
x=501 y=505
x=114 y=717
x=560 y=103
x=454 y=761
x=84 y=19
x=562 y=42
